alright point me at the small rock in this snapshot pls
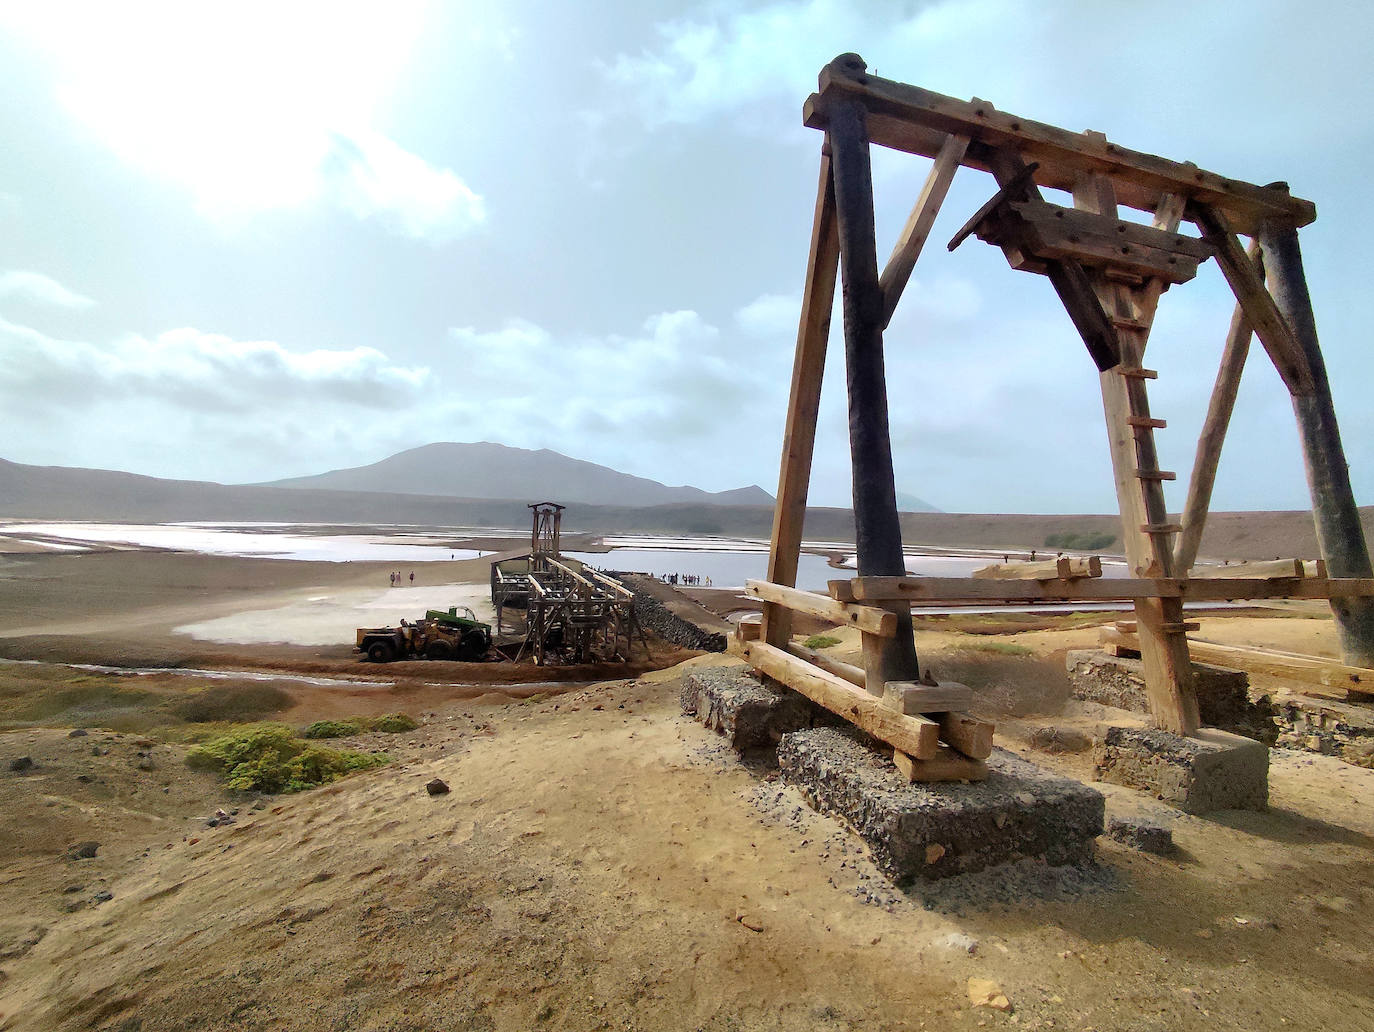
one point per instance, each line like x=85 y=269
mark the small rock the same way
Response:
x=145 y=764
x=960 y=943
x=102 y=897
x=85 y=779
x=933 y=852
x=21 y=764
x=437 y=787
x=79 y=732
x=83 y=851
x=984 y=992
x=1053 y=739
x=1143 y=835
x=259 y=805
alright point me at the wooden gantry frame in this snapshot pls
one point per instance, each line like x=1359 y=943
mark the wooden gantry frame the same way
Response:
x=1109 y=273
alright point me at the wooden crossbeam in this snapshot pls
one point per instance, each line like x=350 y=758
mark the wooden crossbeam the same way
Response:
x=911 y=697
x=866 y=618
x=915 y=736
x=1269 y=569
x=918 y=121
x=1105 y=589
x=1062 y=568
x=945 y=765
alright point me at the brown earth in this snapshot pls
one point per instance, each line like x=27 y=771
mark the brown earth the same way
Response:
x=601 y=862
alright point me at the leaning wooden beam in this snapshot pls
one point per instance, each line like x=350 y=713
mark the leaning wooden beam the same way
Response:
x=1213 y=433
x=1260 y=309
x=918 y=121
x=866 y=618
x=847 y=671
x=918 y=224
x=1338 y=679
x=915 y=736
x=1106 y=589
x=803 y=404
x=1339 y=530
x=1063 y=568
x=877 y=527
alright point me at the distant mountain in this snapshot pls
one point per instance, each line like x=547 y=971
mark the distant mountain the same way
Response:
x=486 y=470
x=910 y=503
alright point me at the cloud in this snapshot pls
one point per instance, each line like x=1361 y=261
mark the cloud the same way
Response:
x=264 y=107
x=770 y=315
x=39 y=289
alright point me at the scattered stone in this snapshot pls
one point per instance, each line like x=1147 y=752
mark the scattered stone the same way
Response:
x=79 y=732
x=1061 y=740
x=437 y=787
x=959 y=943
x=259 y=805
x=83 y=851
x=102 y=897
x=21 y=764
x=145 y=764
x=1141 y=834
x=984 y=992
x=750 y=922
x=85 y=779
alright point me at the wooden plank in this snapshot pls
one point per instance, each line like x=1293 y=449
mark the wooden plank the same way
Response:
x=915 y=736
x=1337 y=677
x=1247 y=283
x=918 y=224
x=945 y=765
x=1265 y=569
x=1155 y=474
x=967 y=734
x=912 y=697
x=1130 y=626
x=1062 y=568
x=867 y=618
x=803 y=404
x=1146 y=422
x=1106 y=589
x=916 y=120
x=1137 y=372
x=1161 y=528
x=848 y=671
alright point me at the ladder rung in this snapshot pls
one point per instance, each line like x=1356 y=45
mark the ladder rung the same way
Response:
x=1156 y=474
x=1122 y=322
x=1140 y=422
x=1138 y=372
x=1161 y=528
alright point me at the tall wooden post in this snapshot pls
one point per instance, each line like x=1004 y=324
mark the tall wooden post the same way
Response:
x=1339 y=532
x=878 y=533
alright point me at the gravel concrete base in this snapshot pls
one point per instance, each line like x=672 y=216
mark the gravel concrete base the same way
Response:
x=1143 y=835
x=753 y=715
x=918 y=831
x=1222 y=694
x=1214 y=771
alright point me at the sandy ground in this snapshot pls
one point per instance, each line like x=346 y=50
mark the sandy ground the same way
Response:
x=601 y=861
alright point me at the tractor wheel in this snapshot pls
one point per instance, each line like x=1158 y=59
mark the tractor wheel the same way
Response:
x=439 y=650
x=381 y=652
x=475 y=645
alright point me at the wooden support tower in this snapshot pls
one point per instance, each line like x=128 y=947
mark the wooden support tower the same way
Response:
x=1110 y=273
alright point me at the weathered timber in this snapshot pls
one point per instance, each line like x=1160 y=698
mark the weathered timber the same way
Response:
x=1339 y=532
x=1062 y=568
x=906 y=697
x=848 y=671
x=918 y=121
x=915 y=736
x=968 y=589
x=867 y=618
x=1268 y=569
x=969 y=735
x=945 y=765
x=877 y=529
x=803 y=404
x=918 y=225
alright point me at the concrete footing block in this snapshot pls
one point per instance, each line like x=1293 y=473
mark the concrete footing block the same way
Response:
x=1213 y=771
x=929 y=831
x=751 y=714
x=1222 y=694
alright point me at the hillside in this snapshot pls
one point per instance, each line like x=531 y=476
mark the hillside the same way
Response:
x=486 y=470
x=62 y=493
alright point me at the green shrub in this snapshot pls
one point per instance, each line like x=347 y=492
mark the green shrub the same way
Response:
x=269 y=758
x=332 y=729
x=820 y=641
x=395 y=723
x=1003 y=648
x=233 y=703
x=1080 y=541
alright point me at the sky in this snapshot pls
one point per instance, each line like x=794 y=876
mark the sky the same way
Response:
x=250 y=241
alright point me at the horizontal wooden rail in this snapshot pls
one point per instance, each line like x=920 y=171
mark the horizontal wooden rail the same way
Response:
x=1107 y=589
x=865 y=618
x=1063 y=568
x=915 y=736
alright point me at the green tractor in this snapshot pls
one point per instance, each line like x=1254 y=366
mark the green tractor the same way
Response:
x=456 y=634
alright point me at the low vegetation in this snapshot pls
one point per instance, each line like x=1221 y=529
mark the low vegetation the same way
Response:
x=234 y=704
x=1003 y=648
x=389 y=722
x=820 y=641
x=270 y=758
x=1081 y=540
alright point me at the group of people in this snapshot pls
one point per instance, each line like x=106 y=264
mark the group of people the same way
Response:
x=397 y=578
x=687 y=579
